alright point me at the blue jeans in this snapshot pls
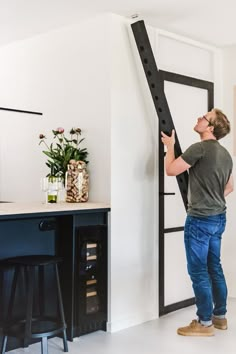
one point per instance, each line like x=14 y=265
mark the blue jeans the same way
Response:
x=202 y=238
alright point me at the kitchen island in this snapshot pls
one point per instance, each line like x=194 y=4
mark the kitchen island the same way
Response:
x=78 y=233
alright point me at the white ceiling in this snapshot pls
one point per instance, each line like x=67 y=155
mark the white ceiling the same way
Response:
x=209 y=21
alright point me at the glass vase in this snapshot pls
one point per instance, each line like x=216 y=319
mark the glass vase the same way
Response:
x=51 y=185
x=77 y=182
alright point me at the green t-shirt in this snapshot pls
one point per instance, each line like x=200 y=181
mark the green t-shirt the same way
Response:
x=211 y=167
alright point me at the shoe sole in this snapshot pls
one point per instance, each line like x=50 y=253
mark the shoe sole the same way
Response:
x=221 y=327
x=195 y=334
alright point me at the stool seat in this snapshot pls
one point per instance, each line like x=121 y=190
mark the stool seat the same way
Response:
x=31 y=325
x=33 y=260
x=45 y=326
x=4 y=265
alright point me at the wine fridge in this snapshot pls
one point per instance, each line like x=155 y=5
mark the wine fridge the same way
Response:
x=90 y=279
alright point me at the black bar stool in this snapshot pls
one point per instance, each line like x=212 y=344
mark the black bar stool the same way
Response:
x=40 y=326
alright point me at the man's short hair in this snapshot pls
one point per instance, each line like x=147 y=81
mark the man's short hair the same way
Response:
x=221 y=124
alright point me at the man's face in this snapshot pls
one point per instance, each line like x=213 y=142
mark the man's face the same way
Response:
x=204 y=123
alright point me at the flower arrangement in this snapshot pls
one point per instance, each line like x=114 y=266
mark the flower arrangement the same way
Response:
x=62 y=150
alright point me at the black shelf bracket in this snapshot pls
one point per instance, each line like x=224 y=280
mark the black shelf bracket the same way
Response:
x=20 y=111
x=156 y=86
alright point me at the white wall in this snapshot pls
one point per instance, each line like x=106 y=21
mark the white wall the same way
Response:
x=133 y=190
x=65 y=75
x=229 y=240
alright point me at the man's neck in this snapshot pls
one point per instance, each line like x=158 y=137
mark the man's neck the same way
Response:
x=207 y=136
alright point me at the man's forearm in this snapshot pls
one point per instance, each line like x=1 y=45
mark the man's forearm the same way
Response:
x=170 y=157
x=229 y=186
x=228 y=190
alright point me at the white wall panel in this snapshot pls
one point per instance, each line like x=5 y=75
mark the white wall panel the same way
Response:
x=229 y=240
x=186 y=104
x=174 y=213
x=178 y=285
x=184 y=58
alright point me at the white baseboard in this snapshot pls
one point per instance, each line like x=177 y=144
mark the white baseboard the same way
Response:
x=130 y=321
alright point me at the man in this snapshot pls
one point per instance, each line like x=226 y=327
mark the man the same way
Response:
x=210 y=181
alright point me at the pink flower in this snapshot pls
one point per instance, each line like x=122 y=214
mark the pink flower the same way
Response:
x=60 y=130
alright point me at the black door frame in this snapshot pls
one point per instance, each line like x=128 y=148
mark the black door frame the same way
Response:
x=205 y=85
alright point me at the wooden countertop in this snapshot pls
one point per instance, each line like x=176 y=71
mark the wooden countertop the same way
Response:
x=23 y=209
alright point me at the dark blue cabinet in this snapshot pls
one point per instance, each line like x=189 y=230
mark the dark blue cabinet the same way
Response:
x=80 y=238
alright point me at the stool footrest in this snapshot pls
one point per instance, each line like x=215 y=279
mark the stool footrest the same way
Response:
x=41 y=327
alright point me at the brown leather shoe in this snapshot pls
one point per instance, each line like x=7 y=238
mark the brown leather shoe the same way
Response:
x=220 y=323
x=196 y=329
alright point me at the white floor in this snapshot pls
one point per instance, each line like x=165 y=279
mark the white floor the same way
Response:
x=154 y=337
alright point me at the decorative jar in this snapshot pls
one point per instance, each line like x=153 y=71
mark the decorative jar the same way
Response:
x=77 y=182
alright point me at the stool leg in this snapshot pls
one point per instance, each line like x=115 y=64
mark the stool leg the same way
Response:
x=29 y=308
x=25 y=343
x=44 y=345
x=65 y=344
x=41 y=291
x=2 y=294
x=61 y=310
x=4 y=345
x=12 y=296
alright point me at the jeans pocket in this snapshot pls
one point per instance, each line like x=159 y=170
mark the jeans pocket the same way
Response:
x=199 y=231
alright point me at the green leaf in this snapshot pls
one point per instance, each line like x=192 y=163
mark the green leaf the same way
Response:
x=81 y=141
